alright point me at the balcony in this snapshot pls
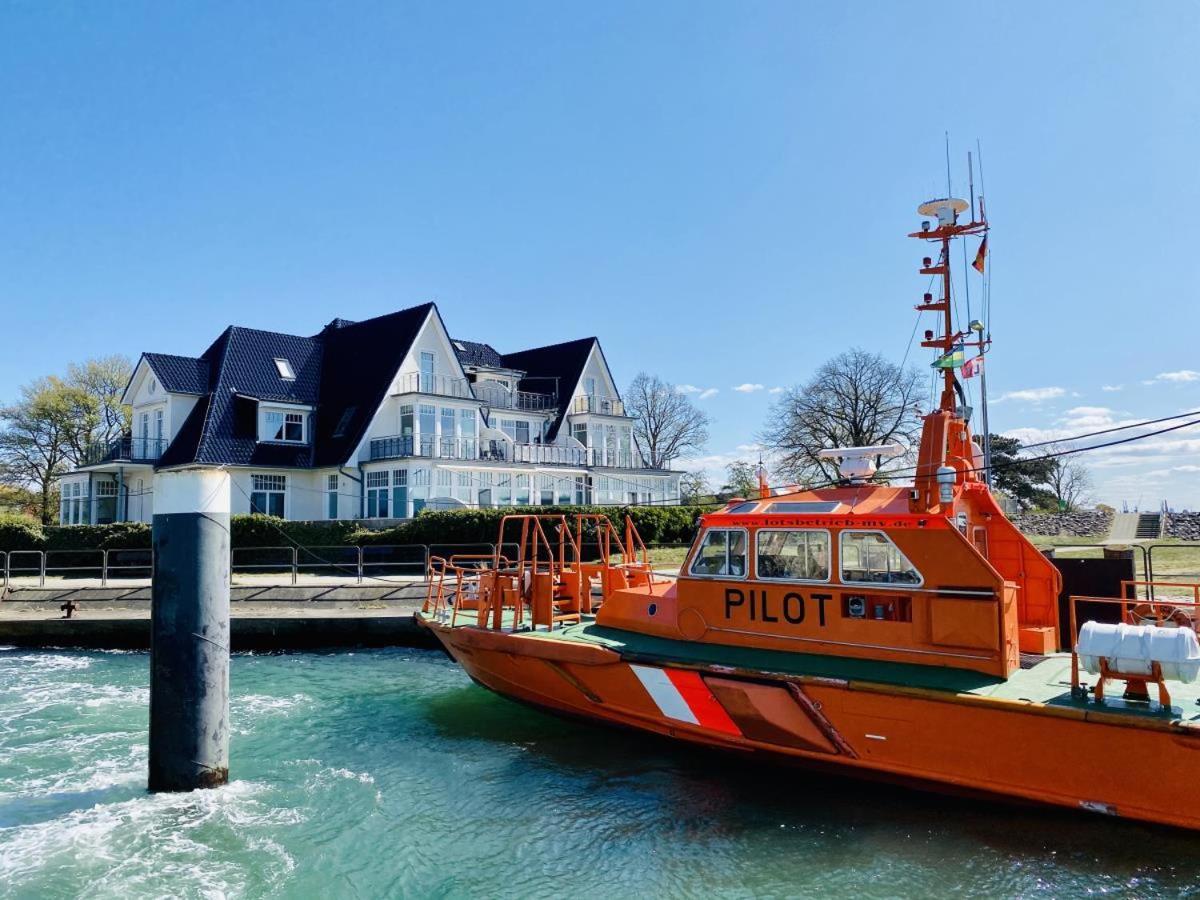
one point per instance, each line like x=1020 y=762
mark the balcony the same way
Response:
x=425 y=447
x=542 y=454
x=442 y=385
x=125 y=449
x=605 y=406
x=497 y=396
x=614 y=459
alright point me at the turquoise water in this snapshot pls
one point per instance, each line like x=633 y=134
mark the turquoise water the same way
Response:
x=387 y=773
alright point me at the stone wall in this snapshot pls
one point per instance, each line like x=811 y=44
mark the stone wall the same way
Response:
x=1185 y=526
x=1079 y=523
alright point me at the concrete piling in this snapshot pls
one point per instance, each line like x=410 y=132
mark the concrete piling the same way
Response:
x=189 y=650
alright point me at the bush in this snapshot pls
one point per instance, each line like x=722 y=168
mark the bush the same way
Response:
x=257 y=530
x=656 y=524
x=21 y=533
x=115 y=536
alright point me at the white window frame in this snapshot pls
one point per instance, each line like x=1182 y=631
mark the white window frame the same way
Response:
x=285 y=369
x=894 y=585
x=695 y=555
x=267 y=436
x=830 y=547
x=254 y=489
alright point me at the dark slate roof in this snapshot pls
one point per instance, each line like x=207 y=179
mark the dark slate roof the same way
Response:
x=473 y=353
x=361 y=359
x=542 y=365
x=179 y=374
x=185 y=444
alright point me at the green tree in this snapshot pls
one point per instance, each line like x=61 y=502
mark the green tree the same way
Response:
x=36 y=440
x=1023 y=480
x=741 y=480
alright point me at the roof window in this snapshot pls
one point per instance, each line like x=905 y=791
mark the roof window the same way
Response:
x=459 y=346
x=286 y=372
x=344 y=421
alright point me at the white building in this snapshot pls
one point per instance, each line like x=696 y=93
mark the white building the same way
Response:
x=373 y=420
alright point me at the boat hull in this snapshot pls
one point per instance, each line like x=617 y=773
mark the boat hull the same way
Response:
x=1066 y=756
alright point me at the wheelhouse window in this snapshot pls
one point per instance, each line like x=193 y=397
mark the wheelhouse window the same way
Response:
x=722 y=552
x=267 y=494
x=793 y=554
x=870 y=557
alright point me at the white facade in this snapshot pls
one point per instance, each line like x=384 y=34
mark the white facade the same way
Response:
x=442 y=437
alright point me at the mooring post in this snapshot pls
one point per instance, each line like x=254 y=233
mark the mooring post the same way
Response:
x=189 y=648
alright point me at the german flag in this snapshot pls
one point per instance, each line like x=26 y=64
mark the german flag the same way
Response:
x=980 y=256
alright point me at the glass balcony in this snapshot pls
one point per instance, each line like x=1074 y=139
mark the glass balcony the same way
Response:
x=605 y=406
x=497 y=396
x=442 y=385
x=125 y=449
x=424 y=446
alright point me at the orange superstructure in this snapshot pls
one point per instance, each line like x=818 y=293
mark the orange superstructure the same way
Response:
x=907 y=632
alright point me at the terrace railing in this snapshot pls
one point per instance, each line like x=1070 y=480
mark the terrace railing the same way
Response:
x=126 y=448
x=497 y=396
x=442 y=385
x=425 y=446
x=605 y=406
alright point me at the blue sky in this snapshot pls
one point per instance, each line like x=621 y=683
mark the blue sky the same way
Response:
x=720 y=192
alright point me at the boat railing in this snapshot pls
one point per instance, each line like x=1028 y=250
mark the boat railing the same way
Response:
x=1129 y=609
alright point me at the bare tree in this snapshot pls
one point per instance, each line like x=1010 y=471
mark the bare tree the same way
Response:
x=100 y=383
x=667 y=424
x=1068 y=480
x=693 y=487
x=856 y=399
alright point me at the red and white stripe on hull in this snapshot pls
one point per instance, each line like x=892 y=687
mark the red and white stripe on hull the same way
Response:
x=683 y=696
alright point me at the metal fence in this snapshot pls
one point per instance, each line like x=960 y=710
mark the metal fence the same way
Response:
x=289 y=563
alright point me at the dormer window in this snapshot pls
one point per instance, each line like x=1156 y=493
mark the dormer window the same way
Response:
x=286 y=427
x=286 y=372
x=153 y=385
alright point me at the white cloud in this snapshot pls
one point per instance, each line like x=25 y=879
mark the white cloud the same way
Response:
x=708 y=392
x=775 y=390
x=1112 y=388
x=748 y=388
x=1180 y=376
x=687 y=389
x=1033 y=395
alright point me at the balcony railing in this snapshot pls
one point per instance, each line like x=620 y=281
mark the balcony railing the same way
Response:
x=605 y=406
x=443 y=385
x=497 y=396
x=127 y=448
x=544 y=454
x=428 y=447
x=614 y=459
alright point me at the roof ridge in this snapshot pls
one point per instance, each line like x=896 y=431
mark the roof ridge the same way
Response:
x=552 y=346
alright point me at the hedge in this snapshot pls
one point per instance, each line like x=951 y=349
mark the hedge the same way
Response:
x=656 y=524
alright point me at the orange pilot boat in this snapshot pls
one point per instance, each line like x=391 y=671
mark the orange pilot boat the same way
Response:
x=902 y=632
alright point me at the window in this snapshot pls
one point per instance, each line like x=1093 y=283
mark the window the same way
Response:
x=426 y=372
x=331 y=491
x=285 y=370
x=428 y=424
x=793 y=555
x=581 y=491
x=344 y=421
x=445 y=480
x=722 y=552
x=522 y=495
x=580 y=432
x=589 y=386
x=565 y=486
x=458 y=345
x=158 y=434
x=803 y=507
x=153 y=385
x=462 y=487
x=448 y=447
x=267 y=494
x=870 y=557
x=466 y=428
x=377 y=495
x=546 y=490
x=400 y=493
x=284 y=426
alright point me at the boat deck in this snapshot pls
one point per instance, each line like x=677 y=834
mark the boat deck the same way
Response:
x=1042 y=680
